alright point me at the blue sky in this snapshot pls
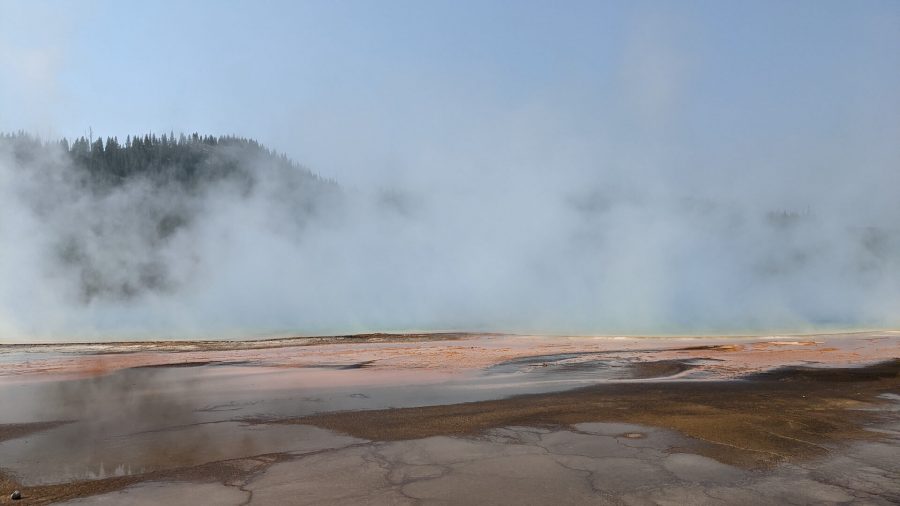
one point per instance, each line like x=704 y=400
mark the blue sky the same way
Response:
x=316 y=79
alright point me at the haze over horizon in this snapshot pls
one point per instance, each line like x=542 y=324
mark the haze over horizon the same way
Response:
x=616 y=167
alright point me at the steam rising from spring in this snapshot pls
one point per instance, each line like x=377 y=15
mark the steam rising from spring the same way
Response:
x=259 y=245
x=610 y=167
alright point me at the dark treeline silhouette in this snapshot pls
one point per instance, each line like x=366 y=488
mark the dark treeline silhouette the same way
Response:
x=112 y=212
x=185 y=159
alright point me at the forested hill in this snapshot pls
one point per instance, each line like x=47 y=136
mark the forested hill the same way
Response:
x=120 y=219
x=186 y=159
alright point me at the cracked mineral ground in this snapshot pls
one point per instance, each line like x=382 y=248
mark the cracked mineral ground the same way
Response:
x=455 y=419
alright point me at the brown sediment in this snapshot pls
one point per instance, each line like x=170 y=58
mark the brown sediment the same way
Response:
x=17 y=430
x=197 y=363
x=119 y=347
x=785 y=415
x=95 y=359
x=659 y=368
x=230 y=472
x=713 y=347
x=440 y=352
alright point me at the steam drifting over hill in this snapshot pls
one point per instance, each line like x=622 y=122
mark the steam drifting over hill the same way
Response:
x=165 y=236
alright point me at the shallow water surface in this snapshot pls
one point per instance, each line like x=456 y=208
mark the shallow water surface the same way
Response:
x=150 y=418
x=134 y=413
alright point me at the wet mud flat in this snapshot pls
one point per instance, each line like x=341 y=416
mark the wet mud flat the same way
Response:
x=541 y=422
x=760 y=421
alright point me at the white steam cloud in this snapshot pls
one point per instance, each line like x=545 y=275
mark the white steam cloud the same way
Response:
x=641 y=207
x=551 y=248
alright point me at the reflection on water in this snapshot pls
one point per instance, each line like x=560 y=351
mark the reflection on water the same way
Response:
x=150 y=418
x=92 y=450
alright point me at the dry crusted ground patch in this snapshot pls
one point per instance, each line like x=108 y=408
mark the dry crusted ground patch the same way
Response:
x=789 y=414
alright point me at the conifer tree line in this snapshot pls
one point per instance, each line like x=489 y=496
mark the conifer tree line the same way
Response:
x=185 y=159
x=117 y=219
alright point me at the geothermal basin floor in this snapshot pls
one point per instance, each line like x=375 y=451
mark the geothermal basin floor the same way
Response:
x=454 y=419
